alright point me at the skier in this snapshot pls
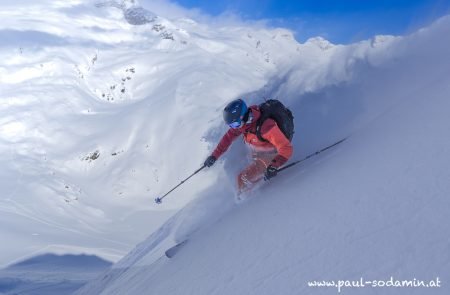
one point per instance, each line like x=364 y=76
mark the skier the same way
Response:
x=270 y=147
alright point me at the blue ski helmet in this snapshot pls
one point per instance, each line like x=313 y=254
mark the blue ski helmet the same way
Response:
x=234 y=112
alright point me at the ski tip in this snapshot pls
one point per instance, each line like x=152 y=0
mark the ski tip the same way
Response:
x=158 y=201
x=174 y=250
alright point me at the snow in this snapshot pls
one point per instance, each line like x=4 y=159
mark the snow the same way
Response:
x=105 y=107
x=79 y=80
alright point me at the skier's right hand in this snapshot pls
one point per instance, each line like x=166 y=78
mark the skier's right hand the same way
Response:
x=271 y=172
x=210 y=161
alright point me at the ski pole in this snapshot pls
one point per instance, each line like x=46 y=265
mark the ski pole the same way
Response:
x=311 y=155
x=158 y=200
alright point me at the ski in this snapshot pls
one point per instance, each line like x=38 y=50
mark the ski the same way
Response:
x=174 y=250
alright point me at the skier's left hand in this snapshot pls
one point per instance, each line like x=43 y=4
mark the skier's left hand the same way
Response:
x=270 y=172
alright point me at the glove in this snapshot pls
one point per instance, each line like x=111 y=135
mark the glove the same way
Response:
x=270 y=172
x=210 y=161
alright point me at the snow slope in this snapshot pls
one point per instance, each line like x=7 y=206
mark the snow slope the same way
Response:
x=375 y=207
x=103 y=107
x=95 y=100
x=90 y=108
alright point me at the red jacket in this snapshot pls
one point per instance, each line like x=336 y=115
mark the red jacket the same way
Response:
x=269 y=131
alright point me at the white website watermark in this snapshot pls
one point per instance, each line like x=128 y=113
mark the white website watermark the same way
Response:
x=363 y=283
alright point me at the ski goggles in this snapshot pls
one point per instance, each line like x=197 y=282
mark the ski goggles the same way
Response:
x=235 y=124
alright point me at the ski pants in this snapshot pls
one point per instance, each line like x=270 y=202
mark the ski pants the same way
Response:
x=254 y=172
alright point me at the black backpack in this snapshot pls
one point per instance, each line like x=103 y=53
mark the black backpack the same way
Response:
x=275 y=110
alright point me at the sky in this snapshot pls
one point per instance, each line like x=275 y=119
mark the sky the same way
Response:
x=338 y=21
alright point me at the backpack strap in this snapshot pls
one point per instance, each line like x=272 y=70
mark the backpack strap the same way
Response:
x=259 y=124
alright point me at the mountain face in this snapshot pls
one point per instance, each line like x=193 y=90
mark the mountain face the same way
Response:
x=106 y=105
x=97 y=98
x=51 y=274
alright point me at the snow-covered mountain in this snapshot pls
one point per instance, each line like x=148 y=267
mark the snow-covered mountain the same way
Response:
x=51 y=274
x=106 y=105
x=94 y=110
